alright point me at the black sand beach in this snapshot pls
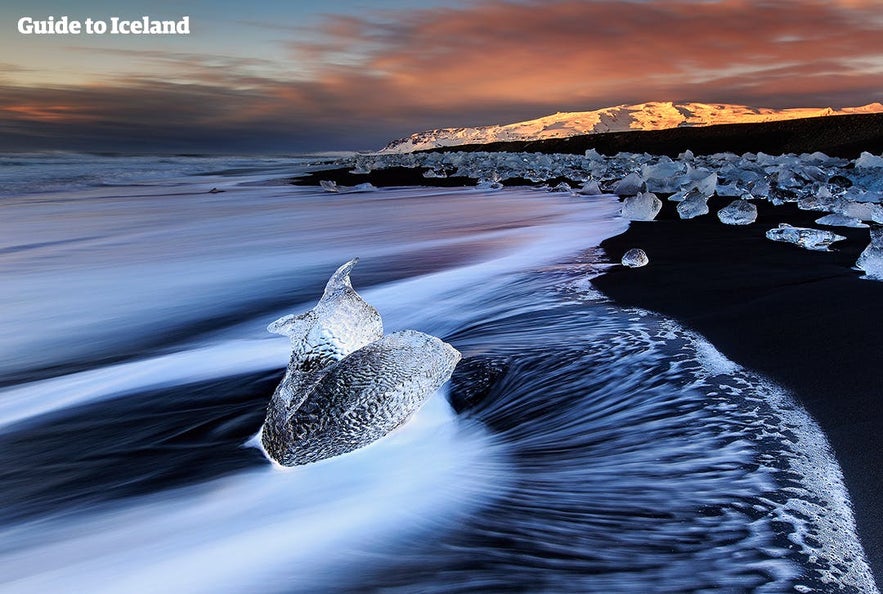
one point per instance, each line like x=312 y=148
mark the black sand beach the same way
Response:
x=801 y=318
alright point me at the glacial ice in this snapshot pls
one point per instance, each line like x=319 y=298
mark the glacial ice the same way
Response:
x=871 y=259
x=643 y=207
x=830 y=185
x=867 y=160
x=346 y=384
x=811 y=239
x=738 y=212
x=694 y=204
x=630 y=185
x=331 y=186
x=839 y=220
x=590 y=188
x=635 y=258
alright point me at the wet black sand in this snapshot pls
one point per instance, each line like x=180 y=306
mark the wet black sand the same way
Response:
x=801 y=318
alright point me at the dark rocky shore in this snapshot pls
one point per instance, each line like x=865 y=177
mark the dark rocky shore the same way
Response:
x=804 y=319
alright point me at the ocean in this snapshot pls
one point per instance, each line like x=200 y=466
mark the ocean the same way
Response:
x=580 y=446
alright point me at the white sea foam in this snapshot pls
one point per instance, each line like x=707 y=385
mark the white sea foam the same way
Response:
x=259 y=529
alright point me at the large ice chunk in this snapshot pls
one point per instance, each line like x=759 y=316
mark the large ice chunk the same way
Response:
x=867 y=160
x=865 y=211
x=635 y=258
x=738 y=212
x=630 y=185
x=871 y=259
x=839 y=220
x=346 y=384
x=643 y=207
x=811 y=239
x=694 y=204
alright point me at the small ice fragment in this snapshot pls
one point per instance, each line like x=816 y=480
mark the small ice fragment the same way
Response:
x=839 y=220
x=630 y=185
x=488 y=185
x=635 y=258
x=561 y=187
x=868 y=160
x=811 y=239
x=643 y=207
x=687 y=155
x=738 y=212
x=871 y=259
x=331 y=186
x=590 y=188
x=694 y=204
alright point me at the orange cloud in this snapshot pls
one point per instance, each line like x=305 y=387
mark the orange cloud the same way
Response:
x=383 y=75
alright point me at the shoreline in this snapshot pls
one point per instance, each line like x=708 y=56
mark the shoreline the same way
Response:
x=803 y=319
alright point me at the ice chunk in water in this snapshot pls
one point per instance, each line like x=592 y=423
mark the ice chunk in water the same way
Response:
x=331 y=186
x=839 y=220
x=871 y=259
x=738 y=212
x=643 y=207
x=561 y=187
x=635 y=258
x=630 y=185
x=347 y=385
x=811 y=239
x=590 y=188
x=487 y=184
x=694 y=204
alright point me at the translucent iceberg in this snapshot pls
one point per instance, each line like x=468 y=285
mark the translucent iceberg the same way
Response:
x=867 y=160
x=738 y=212
x=346 y=384
x=643 y=207
x=839 y=220
x=331 y=186
x=635 y=258
x=811 y=239
x=630 y=185
x=694 y=204
x=590 y=188
x=871 y=259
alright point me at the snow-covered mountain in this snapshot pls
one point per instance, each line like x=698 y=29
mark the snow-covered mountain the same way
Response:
x=644 y=116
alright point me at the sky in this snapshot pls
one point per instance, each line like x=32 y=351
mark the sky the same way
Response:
x=299 y=76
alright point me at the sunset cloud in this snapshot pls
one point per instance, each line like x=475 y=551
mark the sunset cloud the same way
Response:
x=357 y=81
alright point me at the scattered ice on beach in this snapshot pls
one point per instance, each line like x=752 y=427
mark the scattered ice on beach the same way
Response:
x=643 y=207
x=839 y=220
x=630 y=185
x=635 y=258
x=738 y=212
x=694 y=204
x=871 y=259
x=562 y=187
x=811 y=239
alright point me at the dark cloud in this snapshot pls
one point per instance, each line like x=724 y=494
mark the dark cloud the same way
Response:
x=372 y=78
